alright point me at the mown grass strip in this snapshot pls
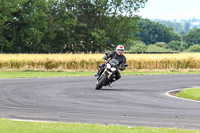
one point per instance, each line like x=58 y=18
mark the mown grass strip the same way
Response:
x=43 y=74
x=193 y=94
x=35 y=74
x=10 y=126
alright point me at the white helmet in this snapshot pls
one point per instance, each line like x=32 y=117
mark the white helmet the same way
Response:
x=120 y=49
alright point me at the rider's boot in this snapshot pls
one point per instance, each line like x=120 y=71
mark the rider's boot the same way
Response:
x=100 y=70
x=110 y=84
x=97 y=74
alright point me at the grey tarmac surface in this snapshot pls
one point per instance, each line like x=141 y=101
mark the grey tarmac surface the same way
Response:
x=133 y=100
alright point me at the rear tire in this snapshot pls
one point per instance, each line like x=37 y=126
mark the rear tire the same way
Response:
x=100 y=82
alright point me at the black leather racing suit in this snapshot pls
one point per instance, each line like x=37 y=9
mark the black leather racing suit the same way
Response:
x=120 y=58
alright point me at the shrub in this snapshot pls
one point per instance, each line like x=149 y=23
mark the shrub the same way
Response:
x=194 y=48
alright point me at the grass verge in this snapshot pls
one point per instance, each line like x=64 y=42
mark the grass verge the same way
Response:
x=43 y=74
x=10 y=126
x=33 y=74
x=193 y=93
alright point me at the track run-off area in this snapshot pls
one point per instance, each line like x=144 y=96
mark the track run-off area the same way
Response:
x=138 y=100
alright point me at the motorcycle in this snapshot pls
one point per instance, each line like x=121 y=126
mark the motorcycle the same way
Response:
x=108 y=73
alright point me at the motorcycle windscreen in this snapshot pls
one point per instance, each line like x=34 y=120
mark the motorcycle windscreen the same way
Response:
x=114 y=62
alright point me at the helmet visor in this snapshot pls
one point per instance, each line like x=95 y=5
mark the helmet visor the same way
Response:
x=120 y=51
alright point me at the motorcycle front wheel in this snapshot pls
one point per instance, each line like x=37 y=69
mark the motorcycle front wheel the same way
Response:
x=101 y=82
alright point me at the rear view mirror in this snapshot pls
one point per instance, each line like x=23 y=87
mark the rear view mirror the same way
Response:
x=106 y=53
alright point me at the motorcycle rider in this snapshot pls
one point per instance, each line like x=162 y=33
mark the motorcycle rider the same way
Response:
x=118 y=55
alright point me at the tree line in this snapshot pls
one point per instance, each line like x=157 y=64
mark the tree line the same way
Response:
x=156 y=37
x=43 y=26
x=59 y=26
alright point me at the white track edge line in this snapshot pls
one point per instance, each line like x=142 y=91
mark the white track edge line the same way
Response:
x=167 y=93
x=26 y=120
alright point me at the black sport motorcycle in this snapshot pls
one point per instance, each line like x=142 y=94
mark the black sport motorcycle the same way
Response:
x=108 y=73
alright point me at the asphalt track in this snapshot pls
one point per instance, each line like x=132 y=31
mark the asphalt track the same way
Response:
x=133 y=100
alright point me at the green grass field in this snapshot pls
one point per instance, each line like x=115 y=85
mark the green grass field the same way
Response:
x=10 y=126
x=29 y=74
x=42 y=74
x=193 y=93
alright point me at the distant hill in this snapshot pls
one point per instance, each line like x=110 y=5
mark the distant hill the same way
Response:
x=181 y=26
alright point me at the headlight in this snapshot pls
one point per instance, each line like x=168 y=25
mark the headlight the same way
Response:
x=113 y=69
x=108 y=65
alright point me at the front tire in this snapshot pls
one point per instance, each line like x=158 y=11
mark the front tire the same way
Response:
x=101 y=82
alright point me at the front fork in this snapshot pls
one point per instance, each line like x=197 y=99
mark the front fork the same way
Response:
x=109 y=73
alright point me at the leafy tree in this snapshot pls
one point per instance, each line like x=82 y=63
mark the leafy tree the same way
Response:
x=173 y=36
x=176 y=46
x=120 y=29
x=7 y=8
x=106 y=16
x=152 y=32
x=138 y=47
x=30 y=26
x=161 y=44
x=100 y=38
x=61 y=27
x=130 y=43
x=154 y=48
x=27 y=25
x=194 y=48
x=193 y=37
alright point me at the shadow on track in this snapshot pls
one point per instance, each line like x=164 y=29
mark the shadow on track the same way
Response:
x=116 y=90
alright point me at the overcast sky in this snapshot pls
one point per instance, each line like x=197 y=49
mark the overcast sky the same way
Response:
x=171 y=9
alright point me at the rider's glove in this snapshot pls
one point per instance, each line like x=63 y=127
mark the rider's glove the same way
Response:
x=121 y=69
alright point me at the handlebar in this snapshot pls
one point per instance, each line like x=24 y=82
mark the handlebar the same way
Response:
x=105 y=59
x=125 y=65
